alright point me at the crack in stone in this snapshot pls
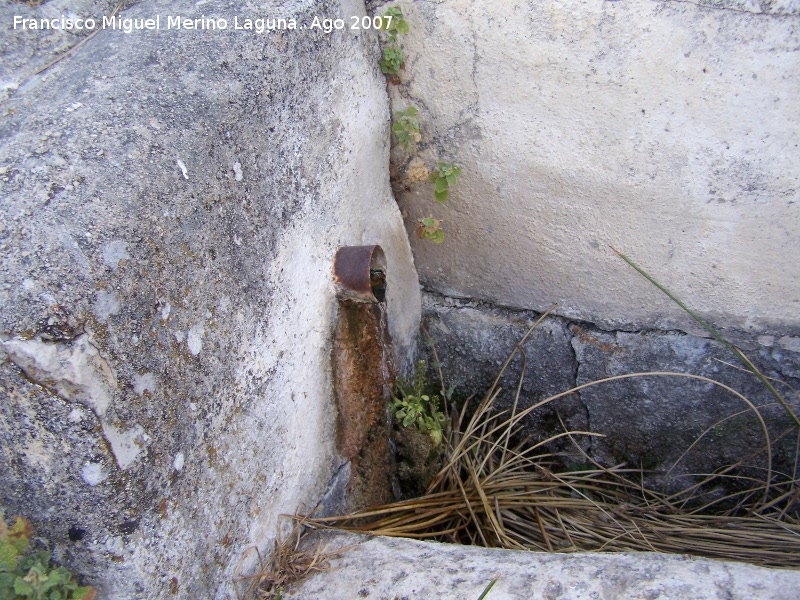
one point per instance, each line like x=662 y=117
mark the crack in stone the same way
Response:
x=576 y=373
x=727 y=6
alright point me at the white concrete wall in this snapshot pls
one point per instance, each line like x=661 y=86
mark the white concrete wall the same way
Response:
x=171 y=205
x=669 y=130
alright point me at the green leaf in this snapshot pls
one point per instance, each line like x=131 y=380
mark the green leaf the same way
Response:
x=438 y=237
x=20 y=534
x=429 y=222
x=59 y=576
x=441 y=184
x=436 y=436
x=487 y=588
x=451 y=180
x=441 y=196
x=392 y=60
x=22 y=587
x=738 y=353
x=8 y=556
x=395 y=14
x=43 y=559
x=411 y=111
x=6 y=582
x=402 y=26
x=81 y=592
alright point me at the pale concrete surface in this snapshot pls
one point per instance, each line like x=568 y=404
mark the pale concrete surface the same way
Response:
x=171 y=204
x=381 y=568
x=667 y=129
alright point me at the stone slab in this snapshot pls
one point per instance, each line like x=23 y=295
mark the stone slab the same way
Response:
x=380 y=568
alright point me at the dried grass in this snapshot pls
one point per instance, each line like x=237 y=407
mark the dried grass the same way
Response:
x=498 y=489
x=290 y=562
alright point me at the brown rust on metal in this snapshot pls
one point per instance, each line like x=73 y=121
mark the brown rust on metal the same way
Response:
x=363 y=380
x=359 y=273
x=363 y=373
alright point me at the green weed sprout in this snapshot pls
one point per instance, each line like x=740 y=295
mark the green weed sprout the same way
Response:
x=406 y=129
x=32 y=577
x=430 y=229
x=414 y=407
x=488 y=587
x=446 y=175
x=394 y=23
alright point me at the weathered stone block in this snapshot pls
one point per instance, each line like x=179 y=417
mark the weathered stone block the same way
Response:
x=473 y=342
x=648 y=422
x=380 y=567
x=663 y=128
x=172 y=201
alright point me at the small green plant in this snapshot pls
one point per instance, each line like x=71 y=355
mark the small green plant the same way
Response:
x=406 y=129
x=32 y=577
x=392 y=60
x=446 y=175
x=483 y=594
x=394 y=23
x=430 y=229
x=488 y=587
x=415 y=407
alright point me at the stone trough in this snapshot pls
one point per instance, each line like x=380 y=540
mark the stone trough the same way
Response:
x=179 y=365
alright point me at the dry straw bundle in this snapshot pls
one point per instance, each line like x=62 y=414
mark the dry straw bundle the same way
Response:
x=291 y=561
x=499 y=489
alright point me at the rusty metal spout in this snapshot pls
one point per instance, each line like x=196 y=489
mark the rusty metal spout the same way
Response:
x=360 y=273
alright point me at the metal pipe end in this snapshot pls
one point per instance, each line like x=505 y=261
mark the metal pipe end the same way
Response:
x=359 y=273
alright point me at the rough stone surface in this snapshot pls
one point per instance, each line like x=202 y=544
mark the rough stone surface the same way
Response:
x=25 y=50
x=473 y=342
x=380 y=568
x=650 y=421
x=667 y=129
x=171 y=204
x=647 y=421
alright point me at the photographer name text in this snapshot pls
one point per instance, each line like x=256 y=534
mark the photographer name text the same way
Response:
x=203 y=23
